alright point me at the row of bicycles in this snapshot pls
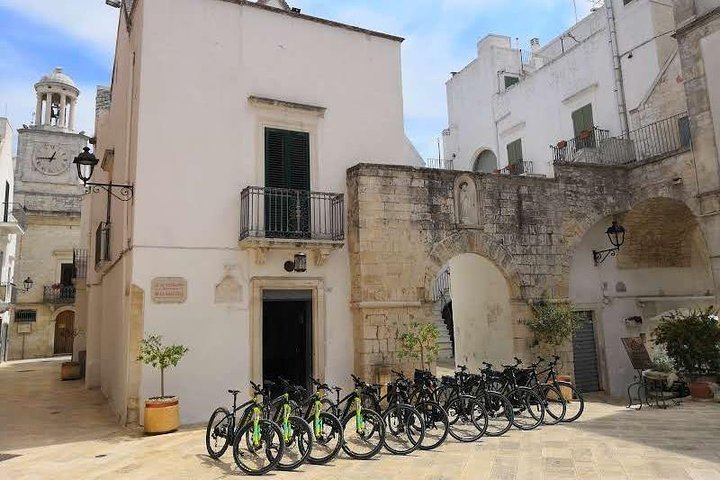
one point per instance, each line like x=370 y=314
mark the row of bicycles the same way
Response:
x=298 y=426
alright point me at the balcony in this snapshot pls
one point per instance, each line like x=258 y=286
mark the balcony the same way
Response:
x=652 y=142
x=291 y=219
x=517 y=169
x=13 y=219
x=80 y=259
x=59 y=294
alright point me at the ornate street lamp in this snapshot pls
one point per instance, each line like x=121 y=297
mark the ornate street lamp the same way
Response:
x=86 y=163
x=28 y=283
x=616 y=235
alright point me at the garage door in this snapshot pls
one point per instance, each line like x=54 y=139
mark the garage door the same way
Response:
x=587 y=378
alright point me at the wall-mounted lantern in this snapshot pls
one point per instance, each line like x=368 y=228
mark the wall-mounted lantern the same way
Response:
x=298 y=264
x=28 y=284
x=86 y=163
x=616 y=235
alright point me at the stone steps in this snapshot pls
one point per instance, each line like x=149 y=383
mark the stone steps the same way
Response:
x=445 y=350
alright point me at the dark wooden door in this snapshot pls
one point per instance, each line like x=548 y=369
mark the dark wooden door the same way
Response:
x=64 y=327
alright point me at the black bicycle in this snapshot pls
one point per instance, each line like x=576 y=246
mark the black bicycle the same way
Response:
x=497 y=405
x=297 y=434
x=553 y=401
x=575 y=403
x=404 y=424
x=436 y=420
x=326 y=428
x=363 y=428
x=258 y=444
x=468 y=419
x=528 y=406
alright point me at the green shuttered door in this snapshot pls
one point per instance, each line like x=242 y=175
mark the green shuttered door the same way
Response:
x=287 y=180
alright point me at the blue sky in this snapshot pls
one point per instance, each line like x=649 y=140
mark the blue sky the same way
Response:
x=79 y=35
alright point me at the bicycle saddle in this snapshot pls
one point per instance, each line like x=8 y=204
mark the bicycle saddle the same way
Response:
x=233 y=392
x=337 y=389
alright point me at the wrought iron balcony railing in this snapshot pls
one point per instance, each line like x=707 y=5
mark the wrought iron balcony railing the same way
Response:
x=102 y=243
x=280 y=213
x=80 y=259
x=521 y=168
x=59 y=294
x=439 y=163
x=656 y=140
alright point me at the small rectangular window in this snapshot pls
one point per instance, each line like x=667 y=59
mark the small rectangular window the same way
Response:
x=22 y=316
x=510 y=81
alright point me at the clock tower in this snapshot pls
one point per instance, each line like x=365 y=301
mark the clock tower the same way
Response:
x=48 y=190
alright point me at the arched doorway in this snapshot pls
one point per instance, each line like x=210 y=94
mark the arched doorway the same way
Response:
x=481 y=312
x=485 y=162
x=64 y=333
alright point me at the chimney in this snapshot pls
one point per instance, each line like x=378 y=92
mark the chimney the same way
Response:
x=534 y=44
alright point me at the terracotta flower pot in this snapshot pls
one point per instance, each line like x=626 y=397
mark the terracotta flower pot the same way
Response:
x=162 y=415
x=700 y=388
x=71 y=371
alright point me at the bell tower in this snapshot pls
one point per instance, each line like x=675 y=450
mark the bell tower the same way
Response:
x=56 y=101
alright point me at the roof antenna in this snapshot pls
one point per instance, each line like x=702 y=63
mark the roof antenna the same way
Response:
x=575 y=9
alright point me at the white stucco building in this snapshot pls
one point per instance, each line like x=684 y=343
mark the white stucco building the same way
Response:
x=11 y=226
x=228 y=118
x=511 y=103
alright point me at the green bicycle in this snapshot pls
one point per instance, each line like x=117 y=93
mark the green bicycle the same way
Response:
x=258 y=444
x=297 y=434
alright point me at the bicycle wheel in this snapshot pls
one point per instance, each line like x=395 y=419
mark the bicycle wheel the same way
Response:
x=258 y=458
x=554 y=404
x=528 y=408
x=218 y=433
x=328 y=438
x=443 y=395
x=576 y=405
x=436 y=424
x=404 y=429
x=363 y=441
x=298 y=444
x=467 y=419
x=500 y=413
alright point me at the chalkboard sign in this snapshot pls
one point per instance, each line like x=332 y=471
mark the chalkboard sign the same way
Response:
x=636 y=350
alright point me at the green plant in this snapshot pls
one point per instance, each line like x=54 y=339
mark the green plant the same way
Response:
x=420 y=340
x=154 y=354
x=691 y=340
x=553 y=323
x=661 y=362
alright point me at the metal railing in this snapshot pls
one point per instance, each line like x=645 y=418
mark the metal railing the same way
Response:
x=521 y=168
x=441 y=286
x=267 y=212
x=439 y=163
x=656 y=140
x=102 y=243
x=59 y=294
x=80 y=258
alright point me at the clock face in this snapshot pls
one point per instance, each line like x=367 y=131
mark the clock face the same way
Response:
x=51 y=159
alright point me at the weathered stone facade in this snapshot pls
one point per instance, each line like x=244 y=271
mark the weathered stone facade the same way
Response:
x=403 y=227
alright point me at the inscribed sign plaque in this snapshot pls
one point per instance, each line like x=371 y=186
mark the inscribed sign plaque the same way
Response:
x=168 y=290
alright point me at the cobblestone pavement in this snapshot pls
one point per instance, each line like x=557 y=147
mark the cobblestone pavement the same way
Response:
x=54 y=429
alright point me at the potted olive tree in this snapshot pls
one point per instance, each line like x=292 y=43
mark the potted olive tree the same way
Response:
x=162 y=414
x=420 y=341
x=692 y=341
x=71 y=370
x=552 y=325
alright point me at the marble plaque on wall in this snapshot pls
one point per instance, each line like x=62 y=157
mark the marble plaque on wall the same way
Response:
x=168 y=290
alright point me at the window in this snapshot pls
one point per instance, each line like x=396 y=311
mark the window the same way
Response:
x=287 y=183
x=684 y=130
x=67 y=273
x=510 y=81
x=25 y=316
x=515 y=154
x=584 y=127
x=625 y=2
x=6 y=202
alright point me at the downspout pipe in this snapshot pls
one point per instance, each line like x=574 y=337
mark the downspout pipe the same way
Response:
x=617 y=69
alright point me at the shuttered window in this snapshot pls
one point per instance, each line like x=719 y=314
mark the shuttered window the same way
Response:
x=287 y=183
x=510 y=81
x=287 y=159
x=582 y=119
x=514 y=152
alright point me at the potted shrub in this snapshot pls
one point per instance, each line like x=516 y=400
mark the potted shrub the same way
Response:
x=162 y=414
x=420 y=341
x=552 y=325
x=692 y=342
x=71 y=370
